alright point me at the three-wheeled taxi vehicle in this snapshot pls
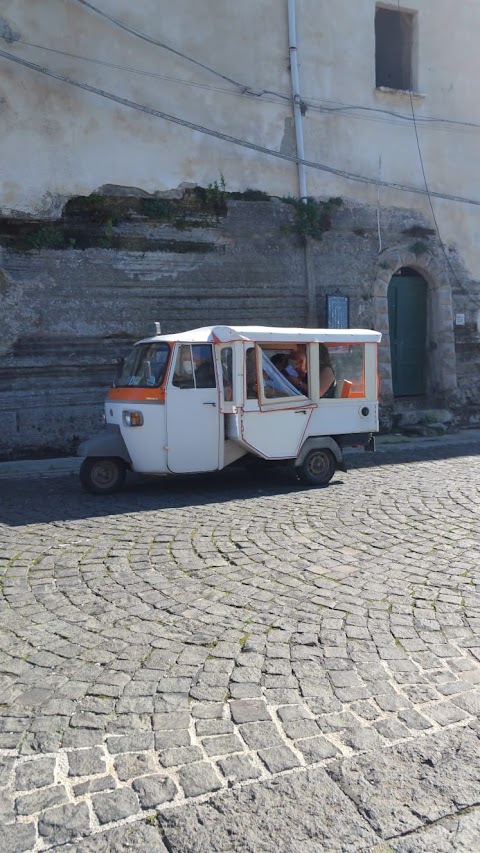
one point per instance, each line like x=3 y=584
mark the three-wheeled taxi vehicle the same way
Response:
x=200 y=400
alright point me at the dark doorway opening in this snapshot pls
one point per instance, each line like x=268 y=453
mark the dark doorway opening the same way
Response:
x=407 y=316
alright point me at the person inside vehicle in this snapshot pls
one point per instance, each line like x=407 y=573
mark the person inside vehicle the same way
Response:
x=204 y=369
x=296 y=373
x=327 y=376
x=280 y=361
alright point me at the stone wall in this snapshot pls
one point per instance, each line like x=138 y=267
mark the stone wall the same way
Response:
x=69 y=312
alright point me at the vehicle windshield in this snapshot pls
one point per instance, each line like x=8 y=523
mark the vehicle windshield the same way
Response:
x=145 y=367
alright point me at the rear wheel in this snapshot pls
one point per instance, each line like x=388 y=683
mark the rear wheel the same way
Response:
x=318 y=467
x=102 y=476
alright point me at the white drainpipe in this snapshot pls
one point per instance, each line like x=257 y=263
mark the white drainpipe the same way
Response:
x=297 y=112
x=312 y=319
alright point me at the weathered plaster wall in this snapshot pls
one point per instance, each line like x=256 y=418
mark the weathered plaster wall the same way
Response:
x=59 y=141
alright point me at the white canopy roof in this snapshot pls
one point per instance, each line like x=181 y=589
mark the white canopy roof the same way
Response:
x=269 y=334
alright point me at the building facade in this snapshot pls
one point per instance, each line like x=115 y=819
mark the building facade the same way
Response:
x=150 y=154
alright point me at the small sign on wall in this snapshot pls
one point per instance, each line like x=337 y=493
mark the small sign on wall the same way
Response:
x=338 y=312
x=459 y=319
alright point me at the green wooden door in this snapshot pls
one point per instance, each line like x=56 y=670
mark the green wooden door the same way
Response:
x=407 y=315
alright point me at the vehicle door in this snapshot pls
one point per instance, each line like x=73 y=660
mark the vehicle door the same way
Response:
x=275 y=414
x=193 y=421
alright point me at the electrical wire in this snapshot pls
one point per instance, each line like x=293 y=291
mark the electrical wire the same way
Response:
x=163 y=45
x=232 y=139
x=313 y=104
x=429 y=196
x=316 y=103
x=247 y=90
x=155 y=75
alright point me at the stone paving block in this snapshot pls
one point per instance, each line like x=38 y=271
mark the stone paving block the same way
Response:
x=301 y=729
x=414 y=720
x=28 y=804
x=238 y=768
x=337 y=722
x=391 y=729
x=391 y=702
x=182 y=755
x=222 y=745
x=469 y=702
x=197 y=779
x=246 y=690
x=86 y=720
x=80 y=738
x=10 y=740
x=291 y=713
x=207 y=710
x=352 y=694
x=64 y=823
x=260 y=735
x=174 y=685
x=93 y=786
x=325 y=704
x=213 y=727
x=134 y=764
x=166 y=740
x=6 y=765
x=154 y=790
x=361 y=739
x=316 y=749
x=86 y=762
x=366 y=710
x=279 y=758
x=445 y=713
x=245 y=711
x=17 y=839
x=7 y=814
x=207 y=692
x=35 y=774
x=116 y=805
x=131 y=743
x=171 y=721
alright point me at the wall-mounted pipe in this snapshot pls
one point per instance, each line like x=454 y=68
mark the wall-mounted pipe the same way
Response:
x=312 y=319
x=297 y=111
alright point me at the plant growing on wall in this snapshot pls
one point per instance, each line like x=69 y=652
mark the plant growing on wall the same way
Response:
x=312 y=217
x=45 y=237
x=419 y=248
x=215 y=196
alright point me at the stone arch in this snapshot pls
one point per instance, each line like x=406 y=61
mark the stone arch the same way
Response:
x=441 y=366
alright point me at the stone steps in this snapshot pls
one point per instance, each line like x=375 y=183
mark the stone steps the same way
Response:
x=412 y=418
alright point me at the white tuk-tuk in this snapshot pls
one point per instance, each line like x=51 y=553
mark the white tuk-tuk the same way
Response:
x=200 y=400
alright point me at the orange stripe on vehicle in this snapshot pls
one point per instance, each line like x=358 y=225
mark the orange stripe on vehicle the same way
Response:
x=137 y=395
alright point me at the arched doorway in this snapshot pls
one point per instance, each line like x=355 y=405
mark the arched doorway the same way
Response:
x=407 y=316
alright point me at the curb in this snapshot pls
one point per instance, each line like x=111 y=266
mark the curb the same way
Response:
x=23 y=468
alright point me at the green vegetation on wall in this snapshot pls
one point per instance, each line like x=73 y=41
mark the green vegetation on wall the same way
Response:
x=312 y=217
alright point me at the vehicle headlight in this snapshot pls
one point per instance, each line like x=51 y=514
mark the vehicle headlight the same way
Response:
x=132 y=418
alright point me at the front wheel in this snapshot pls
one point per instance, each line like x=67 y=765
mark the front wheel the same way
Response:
x=318 y=467
x=102 y=476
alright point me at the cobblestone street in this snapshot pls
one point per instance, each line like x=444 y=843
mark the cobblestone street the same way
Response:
x=235 y=663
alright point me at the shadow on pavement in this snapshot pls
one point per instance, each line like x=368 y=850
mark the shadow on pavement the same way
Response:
x=42 y=500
